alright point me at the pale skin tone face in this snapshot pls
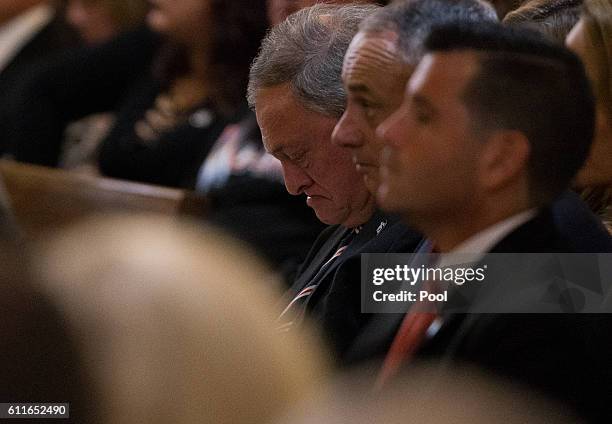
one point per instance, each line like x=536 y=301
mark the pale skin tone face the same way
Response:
x=370 y=99
x=437 y=172
x=597 y=169
x=312 y=165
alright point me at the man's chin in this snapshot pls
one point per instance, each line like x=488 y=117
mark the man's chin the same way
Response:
x=327 y=219
x=372 y=183
x=385 y=199
x=327 y=216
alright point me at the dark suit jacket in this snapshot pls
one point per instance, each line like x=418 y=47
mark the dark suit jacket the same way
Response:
x=574 y=228
x=171 y=160
x=336 y=303
x=75 y=84
x=564 y=355
x=50 y=41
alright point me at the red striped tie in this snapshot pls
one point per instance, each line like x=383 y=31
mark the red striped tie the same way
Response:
x=410 y=335
x=297 y=307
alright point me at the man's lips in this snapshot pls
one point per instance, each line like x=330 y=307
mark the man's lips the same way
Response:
x=315 y=196
x=312 y=200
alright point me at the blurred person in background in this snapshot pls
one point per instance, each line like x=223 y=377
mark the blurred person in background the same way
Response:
x=158 y=141
x=175 y=325
x=167 y=117
x=591 y=39
x=553 y=18
x=166 y=133
x=31 y=32
x=97 y=21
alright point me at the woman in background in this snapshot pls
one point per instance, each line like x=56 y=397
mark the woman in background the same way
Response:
x=591 y=39
x=169 y=123
x=168 y=111
x=96 y=22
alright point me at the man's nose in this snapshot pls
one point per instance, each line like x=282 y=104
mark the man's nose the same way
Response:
x=346 y=133
x=388 y=130
x=296 y=180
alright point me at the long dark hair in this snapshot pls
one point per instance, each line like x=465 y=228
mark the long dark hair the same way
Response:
x=236 y=33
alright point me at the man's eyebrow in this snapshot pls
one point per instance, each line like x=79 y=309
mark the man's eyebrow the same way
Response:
x=278 y=150
x=360 y=88
x=422 y=102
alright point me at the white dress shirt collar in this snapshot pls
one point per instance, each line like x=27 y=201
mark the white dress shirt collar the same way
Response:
x=475 y=247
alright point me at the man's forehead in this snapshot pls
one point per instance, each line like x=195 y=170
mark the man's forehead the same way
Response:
x=449 y=69
x=387 y=38
x=273 y=106
x=375 y=46
x=286 y=125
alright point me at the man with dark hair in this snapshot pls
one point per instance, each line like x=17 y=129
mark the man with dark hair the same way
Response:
x=487 y=114
x=509 y=80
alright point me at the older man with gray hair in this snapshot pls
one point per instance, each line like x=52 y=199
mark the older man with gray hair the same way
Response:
x=296 y=90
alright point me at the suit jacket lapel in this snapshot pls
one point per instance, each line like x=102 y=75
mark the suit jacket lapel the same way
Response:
x=319 y=255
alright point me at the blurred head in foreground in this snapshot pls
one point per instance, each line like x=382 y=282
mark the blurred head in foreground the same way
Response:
x=430 y=395
x=39 y=356
x=177 y=325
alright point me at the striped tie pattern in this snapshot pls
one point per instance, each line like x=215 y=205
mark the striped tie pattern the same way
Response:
x=294 y=313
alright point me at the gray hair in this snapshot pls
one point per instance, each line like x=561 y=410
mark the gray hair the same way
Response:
x=413 y=20
x=307 y=52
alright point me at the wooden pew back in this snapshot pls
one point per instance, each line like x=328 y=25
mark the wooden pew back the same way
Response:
x=45 y=199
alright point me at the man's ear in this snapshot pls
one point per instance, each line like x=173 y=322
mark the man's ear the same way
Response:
x=504 y=158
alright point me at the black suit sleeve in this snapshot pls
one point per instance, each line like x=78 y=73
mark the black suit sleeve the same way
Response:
x=76 y=84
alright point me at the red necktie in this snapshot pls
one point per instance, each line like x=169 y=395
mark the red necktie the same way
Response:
x=406 y=342
x=409 y=337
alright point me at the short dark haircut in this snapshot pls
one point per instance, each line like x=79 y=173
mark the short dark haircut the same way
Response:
x=529 y=84
x=412 y=21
